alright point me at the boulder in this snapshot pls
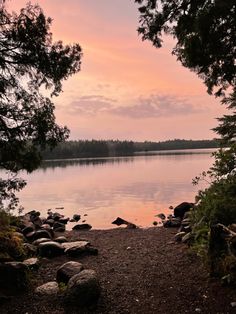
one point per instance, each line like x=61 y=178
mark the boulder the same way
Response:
x=64 y=220
x=42 y=240
x=120 y=221
x=59 y=227
x=14 y=277
x=50 y=249
x=78 y=248
x=68 y=270
x=28 y=229
x=49 y=288
x=61 y=239
x=83 y=289
x=76 y=217
x=181 y=209
x=82 y=227
x=32 y=263
x=172 y=222
x=77 y=244
x=49 y=222
x=42 y=234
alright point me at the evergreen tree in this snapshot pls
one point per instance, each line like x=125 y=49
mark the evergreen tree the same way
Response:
x=30 y=63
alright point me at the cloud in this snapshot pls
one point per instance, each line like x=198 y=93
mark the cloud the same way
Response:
x=91 y=105
x=152 y=106
x=157 y=106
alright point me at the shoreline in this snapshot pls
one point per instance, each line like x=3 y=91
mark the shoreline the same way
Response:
x=140 y=271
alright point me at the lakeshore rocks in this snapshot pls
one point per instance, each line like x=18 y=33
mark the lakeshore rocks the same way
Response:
x=42 y=234
x=68 y=270
x=83 y=289
x=61 y=239
x=78 y=248
x=49 y=288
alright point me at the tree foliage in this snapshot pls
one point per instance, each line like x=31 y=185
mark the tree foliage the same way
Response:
x=31 y=66
x=205 y=33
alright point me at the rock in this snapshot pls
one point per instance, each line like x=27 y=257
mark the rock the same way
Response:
x=82 y=227
x=161 y=216
x=120 y=221
x=172 y=222
x=61 y=239
x=42 y=240
x=68 y=270
x=78 y=248
x=233 y=304
x=50 y=222
x=64 y=220
x=30 y=236
x=182 y=208
x=49 y=288
x=57 y=216
x=37 y=221
x=179 y=236
x=42 y=234
x=76 y=217
x=32 y=263
x=14 y=277
x=59 y=227
x=28 y=230
x=46 y=227
x=50 y=249
x=76 y=244
x=155 y=223
x=83 y=289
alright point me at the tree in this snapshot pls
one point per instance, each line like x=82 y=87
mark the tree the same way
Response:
x=30 y=66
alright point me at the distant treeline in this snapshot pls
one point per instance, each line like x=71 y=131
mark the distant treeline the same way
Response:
x=102 y=148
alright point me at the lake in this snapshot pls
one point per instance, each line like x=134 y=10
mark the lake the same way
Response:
x=135 y=188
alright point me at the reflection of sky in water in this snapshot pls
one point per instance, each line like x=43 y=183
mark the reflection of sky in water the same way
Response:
x=135 y=188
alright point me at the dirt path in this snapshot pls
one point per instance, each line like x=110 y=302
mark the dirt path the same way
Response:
x=141 y=271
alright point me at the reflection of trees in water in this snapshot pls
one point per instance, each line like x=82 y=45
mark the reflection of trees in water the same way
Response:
x=63 y=163
x=101 y=161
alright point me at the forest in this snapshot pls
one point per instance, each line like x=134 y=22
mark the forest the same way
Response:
x=103 y=148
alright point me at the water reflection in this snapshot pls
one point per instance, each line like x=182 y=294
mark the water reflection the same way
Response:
x=63 y=163
x=148 y=156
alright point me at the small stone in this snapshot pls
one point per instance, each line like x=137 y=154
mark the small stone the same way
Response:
x=49 y=288
x=198 y=310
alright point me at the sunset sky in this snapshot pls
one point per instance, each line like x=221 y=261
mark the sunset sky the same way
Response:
x=126 y=89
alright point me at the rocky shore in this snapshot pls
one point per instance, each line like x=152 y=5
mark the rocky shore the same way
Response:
x=131 y=270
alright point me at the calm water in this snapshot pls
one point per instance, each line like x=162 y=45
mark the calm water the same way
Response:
x=134 y=188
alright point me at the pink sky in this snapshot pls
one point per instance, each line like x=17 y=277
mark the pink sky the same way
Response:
x=126 y=89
